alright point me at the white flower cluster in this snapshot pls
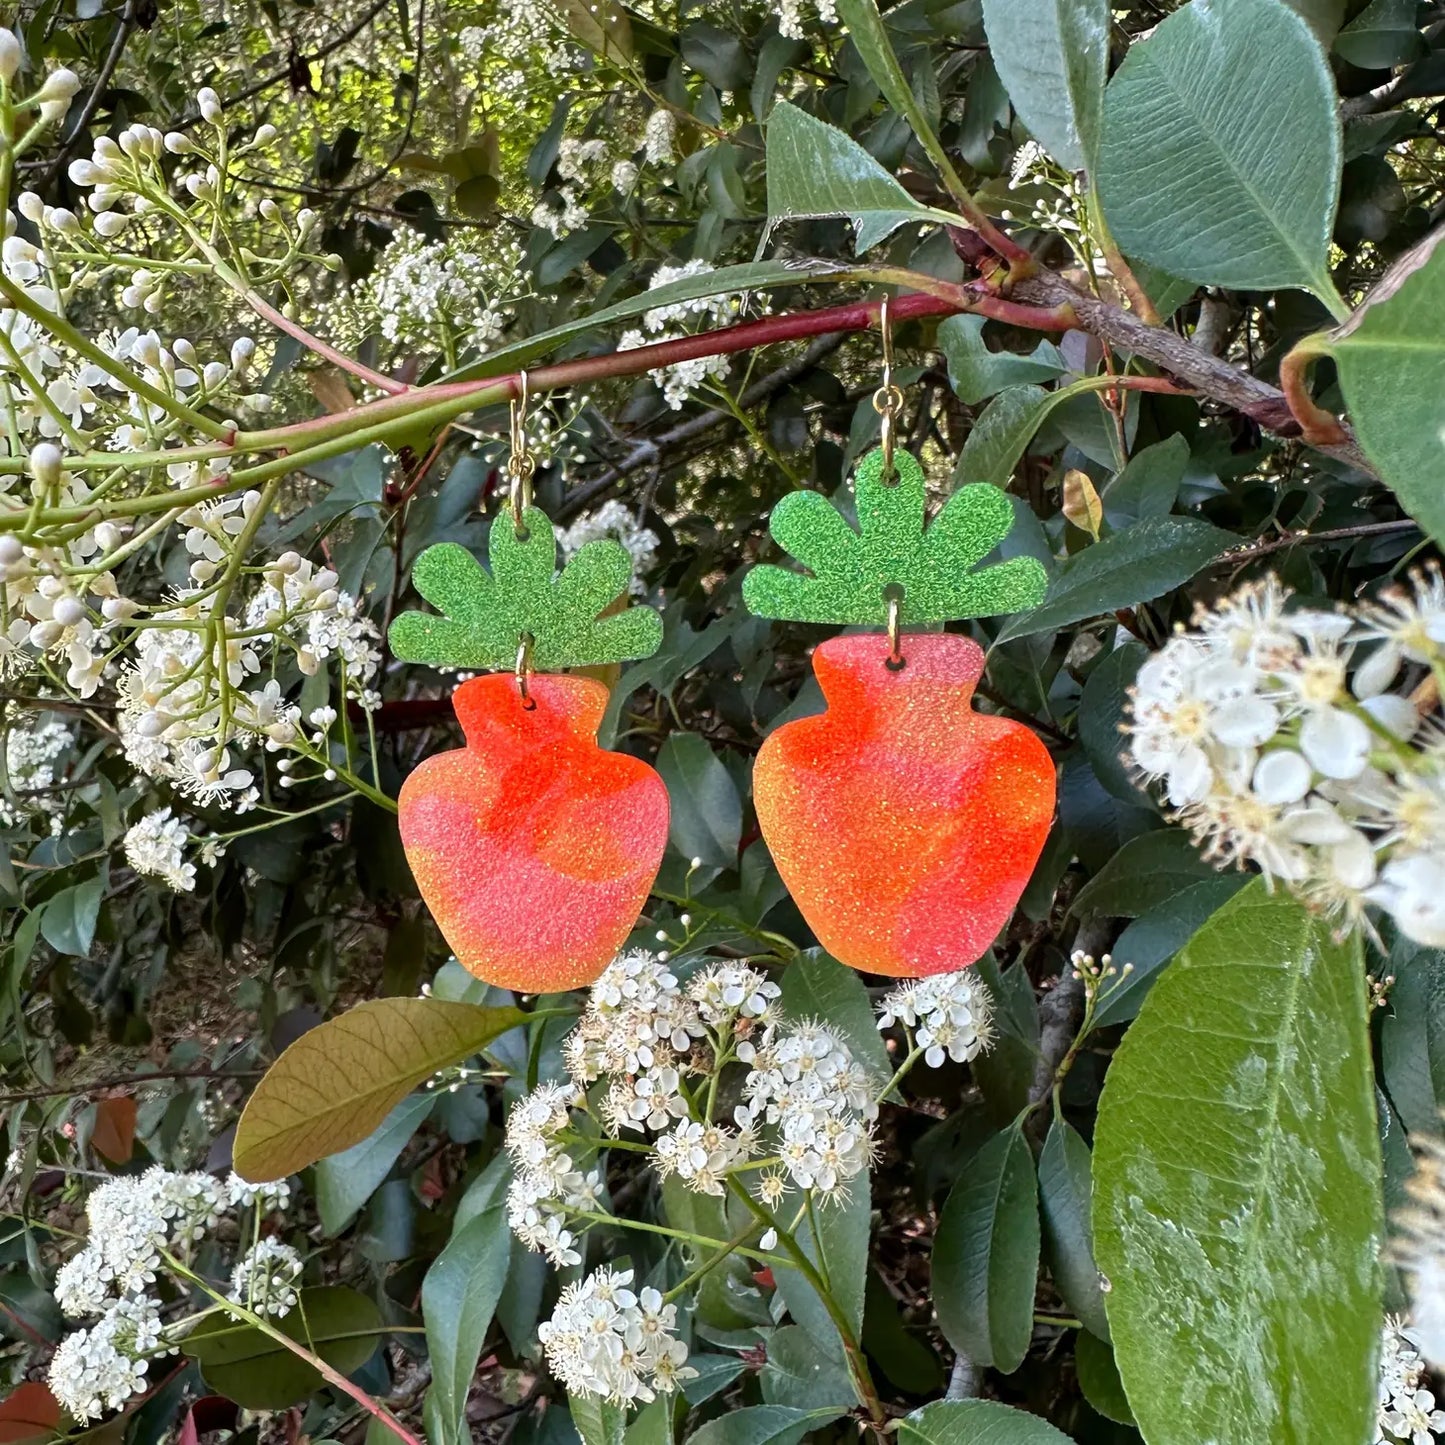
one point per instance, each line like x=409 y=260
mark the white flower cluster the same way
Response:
x=1278 y=746
x=435 y=296
x=265 y=1279
x=132 y=1221
x=547 y=1184
x=31 y=754
x=604 y=1339
x=614 y=519
x=155 y=846
x=664 y=323
x=1407 y=1414
x=805 y=1081
x=953 y=1013
x=793 y=22
x=637 y=1032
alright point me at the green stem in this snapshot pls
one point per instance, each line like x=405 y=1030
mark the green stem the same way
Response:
x=797 y=1259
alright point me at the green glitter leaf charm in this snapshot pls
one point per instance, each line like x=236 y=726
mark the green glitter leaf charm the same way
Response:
x=932 y=568
x=485 y=614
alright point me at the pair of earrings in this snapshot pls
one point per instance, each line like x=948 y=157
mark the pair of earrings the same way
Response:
x=904 y=824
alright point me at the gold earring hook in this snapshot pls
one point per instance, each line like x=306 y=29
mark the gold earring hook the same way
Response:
x=521 y=464
x=895 y=661
x=524 y=668
x=888 y=399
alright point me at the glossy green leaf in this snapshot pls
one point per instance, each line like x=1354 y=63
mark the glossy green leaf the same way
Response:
x=1412 y=1036
x=1383 y=35
x=815 y=169
x=898 y=1351
x=707 y=815
x=338 y=1081
x=1103 y=714
x=1155 y=936
x=68 y=920
x=805 y=1370
x=1065 y=1195
x=1053 y=58
x=598 y=1421
x=986 y=1255
x=1002 y=432
x=246 y=1365
x=458 y=1298
x=1220 y=158
x=1099 y=1378
x=976 y=372
x=1149 y=484
x=975 y=1422
x=345 y=1181
x=1133 y=566
x=1236 y=1133
x=1391 y=360
x=761 y=1425
x=1142 y=874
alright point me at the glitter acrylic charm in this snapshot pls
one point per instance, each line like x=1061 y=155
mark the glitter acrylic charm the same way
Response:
x=534 y=848
x=904 y=823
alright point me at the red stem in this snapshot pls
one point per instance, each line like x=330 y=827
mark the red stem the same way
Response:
x=278 y=319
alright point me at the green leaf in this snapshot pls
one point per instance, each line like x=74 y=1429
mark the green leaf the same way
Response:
x=1099 y=1378
x=975 y=1422
x=1142 y=874
x=1220 y=158
x=345 y=1181
x=1155 y=936
x=1149 y=484
x=816 y=985
x=1412 y=1036
x=1005 y=1073
x=815 y=169
x=975 y=372
x=598 y=1421
x=932 y=567
x=1053 y=58
x=1383 y=35
x=902 y=1356
x=338 y=1081
x=458 y=1298
x=707 y=813
x=1103 y=712
x=802 y=1370
x=714 y=1373
x=246 y=1365
x=1004 y=428
x=1136 y=565
x=1065 y=1193
x=727 y=1298
x=986 y=1255
x=762 y=1425
x=865 y=25
x=68 y=921
x=1391 y=360
x=1236 y=1136
x=486 y=615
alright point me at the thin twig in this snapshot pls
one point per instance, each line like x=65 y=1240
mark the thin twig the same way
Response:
x=100 y=1085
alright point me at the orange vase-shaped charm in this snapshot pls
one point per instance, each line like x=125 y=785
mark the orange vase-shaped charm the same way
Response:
x=904 y=823
x=533 y=846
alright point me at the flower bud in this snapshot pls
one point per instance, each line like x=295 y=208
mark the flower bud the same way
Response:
x=209 y=103
x=242 y=350
x=111 y=224
x=62 y=220
x=269 y=209
x=147 y=350
x=179 y=144
x=68 y=611
x=108 y=536
x=59 y=85
x=265 y=134
x=10 y=55
x=45 y=463
x=30 y=206
x=214 y=373
x=10 y=549
x=185 y=353
x=46 y=634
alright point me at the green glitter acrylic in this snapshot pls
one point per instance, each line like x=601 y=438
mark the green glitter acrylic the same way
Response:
x=931 y=567
x=486 y=615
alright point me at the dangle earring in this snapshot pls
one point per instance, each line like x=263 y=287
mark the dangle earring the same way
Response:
x=904 y=824
x=534 y=848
